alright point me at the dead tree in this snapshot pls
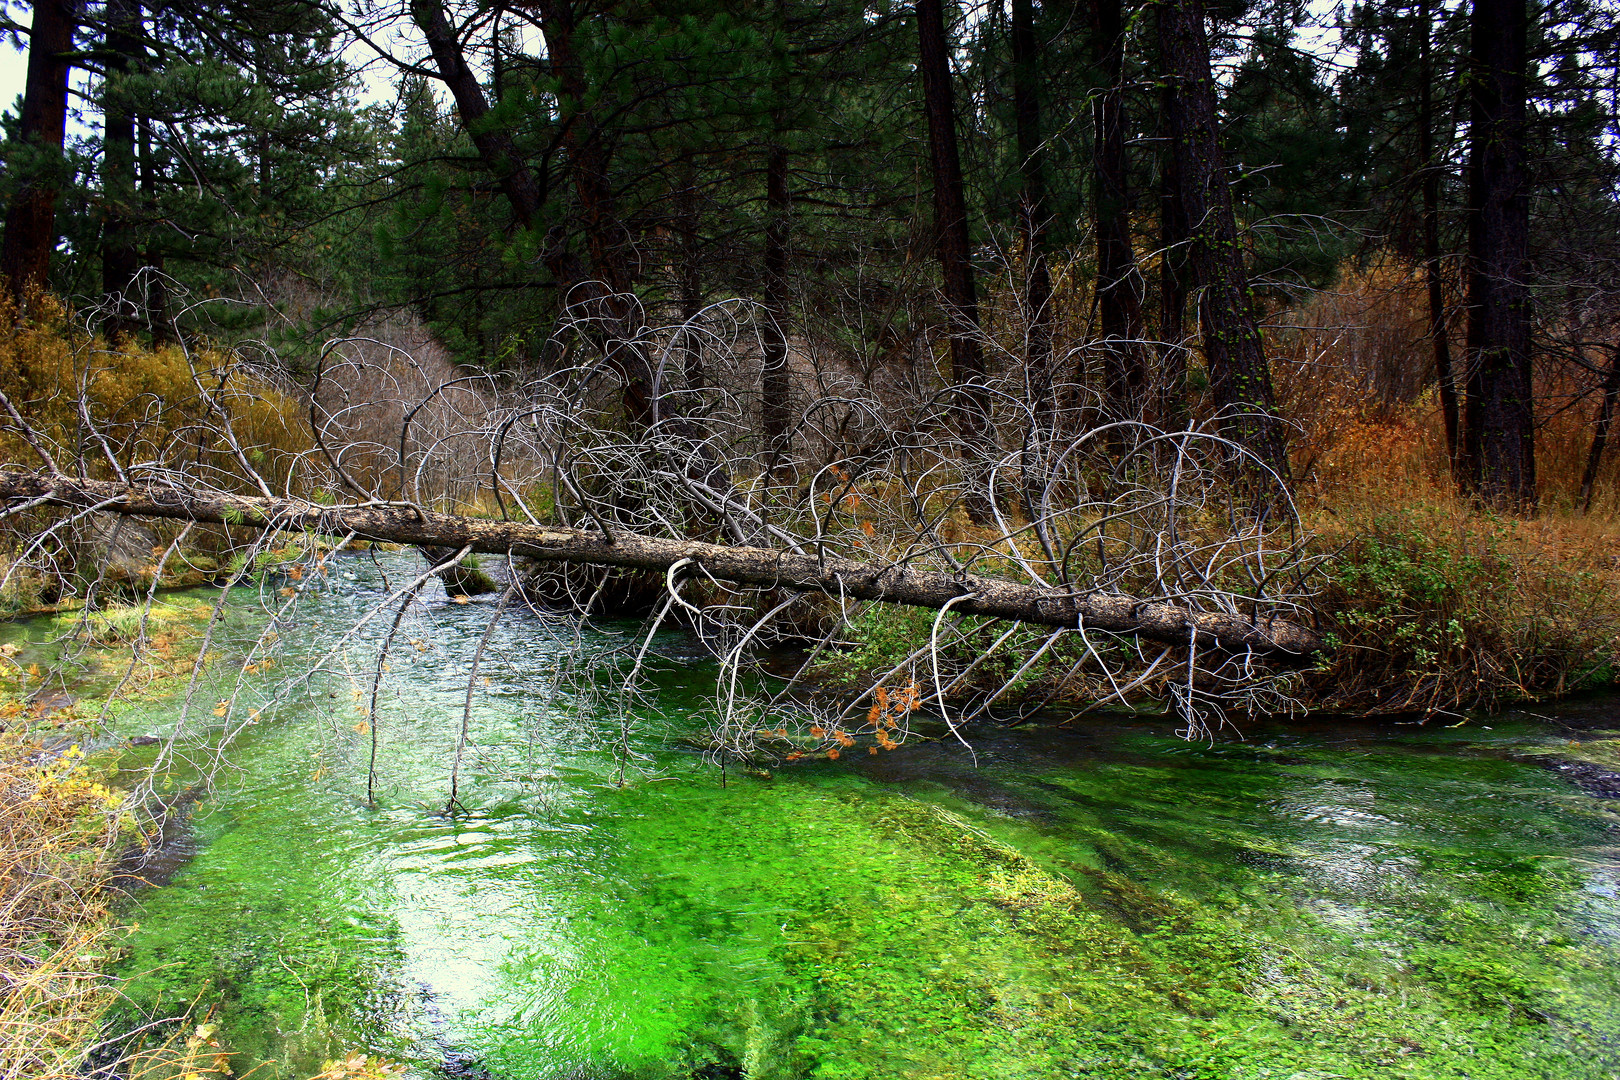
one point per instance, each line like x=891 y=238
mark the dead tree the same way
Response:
x=1119 y=587
x=967 y=594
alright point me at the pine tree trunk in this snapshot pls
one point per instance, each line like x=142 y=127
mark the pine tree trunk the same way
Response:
x=120 y=257
x=1607 y=406
x=261 y=141
x=1119 y=282
x=1171 y=391
x=494 y=146
x=1499 y=439
x=776 y=390
x=1033 y=213
x=25 y=257
x=1239 y=375
x=157 y=289
x=1439 y=325
x=599 y=293
x=689 y=276
x=971 y=403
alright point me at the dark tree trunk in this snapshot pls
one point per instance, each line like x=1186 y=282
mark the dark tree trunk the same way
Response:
x=1499 y=436
x=261 y=141
x=776 y=391
x=595 y=293
x=1439 y=325
x=689 y=276
x=494 y=146
x=599 y=294
x=1119 y=282
x=1239 y=375
x=971 y=403
x=1600 y=431
x=1171 y=391
x=25 y=258
x=1032 y=211
x=120 y=256
x=157 y=289
x=588 y=155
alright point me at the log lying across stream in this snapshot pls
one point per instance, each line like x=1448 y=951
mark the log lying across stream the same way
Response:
x=966 y=593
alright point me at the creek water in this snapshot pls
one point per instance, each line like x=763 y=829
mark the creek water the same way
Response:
x=1324 y=899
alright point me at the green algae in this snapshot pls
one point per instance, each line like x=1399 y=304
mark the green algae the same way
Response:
x=1102 y=901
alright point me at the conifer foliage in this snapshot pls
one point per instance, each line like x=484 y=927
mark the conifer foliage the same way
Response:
x=1104 y=203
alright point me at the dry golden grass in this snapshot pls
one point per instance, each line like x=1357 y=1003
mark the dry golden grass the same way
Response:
x=58 y=934
x=55 y=928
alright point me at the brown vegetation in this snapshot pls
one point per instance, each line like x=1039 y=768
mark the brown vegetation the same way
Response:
x=55 y=928
x=1438 y=603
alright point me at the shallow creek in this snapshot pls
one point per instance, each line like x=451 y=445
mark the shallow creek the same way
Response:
x=1101 y=899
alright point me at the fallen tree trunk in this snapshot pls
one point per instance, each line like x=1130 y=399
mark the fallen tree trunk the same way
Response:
x=839 y=577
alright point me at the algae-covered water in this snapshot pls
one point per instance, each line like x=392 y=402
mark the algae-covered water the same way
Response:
x=1097 y=900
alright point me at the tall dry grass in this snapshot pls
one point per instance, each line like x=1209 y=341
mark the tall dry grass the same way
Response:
x=55 y=927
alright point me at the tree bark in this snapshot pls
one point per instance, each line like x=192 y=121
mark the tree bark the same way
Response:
x=164 y=331
x=494 y=146
x=776 y=388
x=845 y=578
x=1171 y=391
x=599 y=293
x=1499 y=436
x=120 y=256
x=1033 y=213
x=1119 y=282
x=953 y=245
x=1439 y=325
x=588 y=156
x=1239 y=375
x=689 y=275
x=25 y=258
x=596 y=293
x=1600 y=431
